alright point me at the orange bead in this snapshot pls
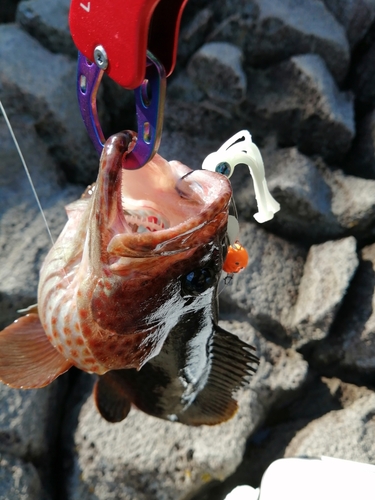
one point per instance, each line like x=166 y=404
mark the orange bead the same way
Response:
x=236 y=260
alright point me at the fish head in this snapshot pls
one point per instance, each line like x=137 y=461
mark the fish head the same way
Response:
x=155 y=246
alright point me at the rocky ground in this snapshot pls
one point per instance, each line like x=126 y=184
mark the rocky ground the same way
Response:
x=300 y=75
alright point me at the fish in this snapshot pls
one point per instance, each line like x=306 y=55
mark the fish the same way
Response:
x=128 y=292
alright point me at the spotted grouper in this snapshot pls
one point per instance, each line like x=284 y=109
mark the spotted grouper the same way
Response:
x=129 y=292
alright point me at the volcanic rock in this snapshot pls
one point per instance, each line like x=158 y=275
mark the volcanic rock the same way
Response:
x=301 y=102
x=361 y=158
x=356 y=16
x=46 y=92
x=19 y=480
x=296 y=183
x=362 y=79
x=353 y=202
x=216 y=69
x=326 y=406
x=351 y=344
x=29 y=429
x=48 y=23
x=23 y=237
x=267 y=288
x=269 y=32
x=194 y=33
x=328 y=271
x=324 y=436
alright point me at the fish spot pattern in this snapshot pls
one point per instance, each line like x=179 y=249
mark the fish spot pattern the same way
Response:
x=64 y=326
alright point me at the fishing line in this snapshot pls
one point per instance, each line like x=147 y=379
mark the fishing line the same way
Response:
x=26 y=170
x=224 y=283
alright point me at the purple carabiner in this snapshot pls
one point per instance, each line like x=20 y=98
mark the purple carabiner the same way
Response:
x=149 y=101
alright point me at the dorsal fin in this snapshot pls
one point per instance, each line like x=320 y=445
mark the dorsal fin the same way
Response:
x=27 y=358
x=232 y=364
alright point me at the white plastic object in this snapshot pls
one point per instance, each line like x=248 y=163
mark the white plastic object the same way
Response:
x=322 y=478
x=243 y=493
x=241 y=149
x=233 y=229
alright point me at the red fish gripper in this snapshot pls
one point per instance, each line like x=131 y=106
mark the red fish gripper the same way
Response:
x=135 y=43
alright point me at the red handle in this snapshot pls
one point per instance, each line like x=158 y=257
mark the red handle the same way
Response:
x=125 y=31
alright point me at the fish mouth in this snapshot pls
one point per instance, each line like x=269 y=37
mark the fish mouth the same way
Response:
x=141 y=220
x=163 y=207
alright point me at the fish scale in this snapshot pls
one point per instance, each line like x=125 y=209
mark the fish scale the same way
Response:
x=59 y=314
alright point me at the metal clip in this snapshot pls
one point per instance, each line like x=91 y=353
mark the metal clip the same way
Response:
x=149 y=99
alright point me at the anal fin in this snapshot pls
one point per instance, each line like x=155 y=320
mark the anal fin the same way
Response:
x=110 y=398
x=27 y=358
x=232 y=364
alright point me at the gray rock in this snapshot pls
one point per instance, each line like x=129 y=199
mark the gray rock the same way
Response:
x=48 y=23
x=270 y=32
x=356 y=16
x=268 y=287
x=281 y=372
x=193 y=34
x=24 y=242
x=328 y=271
x=198 y=108
x=145 y=458
x=216 y=68
x=317 y=203
x=26 y=430
x=14 y=182
x=348 y=433
x=361 y=158
x=46 y=92
x=297 y=184
x=362 y=79
x=199 y=118
x=353 y=202
x=182 y=88
x=189 y=150
x=351 y=344
x=8 y=11
x=18 y=480
x=322 y=401
x=300 y=100
x=23 y=237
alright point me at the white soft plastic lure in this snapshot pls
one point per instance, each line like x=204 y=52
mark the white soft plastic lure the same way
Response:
x=240 y=149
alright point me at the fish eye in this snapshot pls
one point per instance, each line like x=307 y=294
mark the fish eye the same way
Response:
x=197 y=281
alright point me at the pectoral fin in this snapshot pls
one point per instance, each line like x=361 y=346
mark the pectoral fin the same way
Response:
x=233 y=362
x=110 y=398
x=27 y=359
